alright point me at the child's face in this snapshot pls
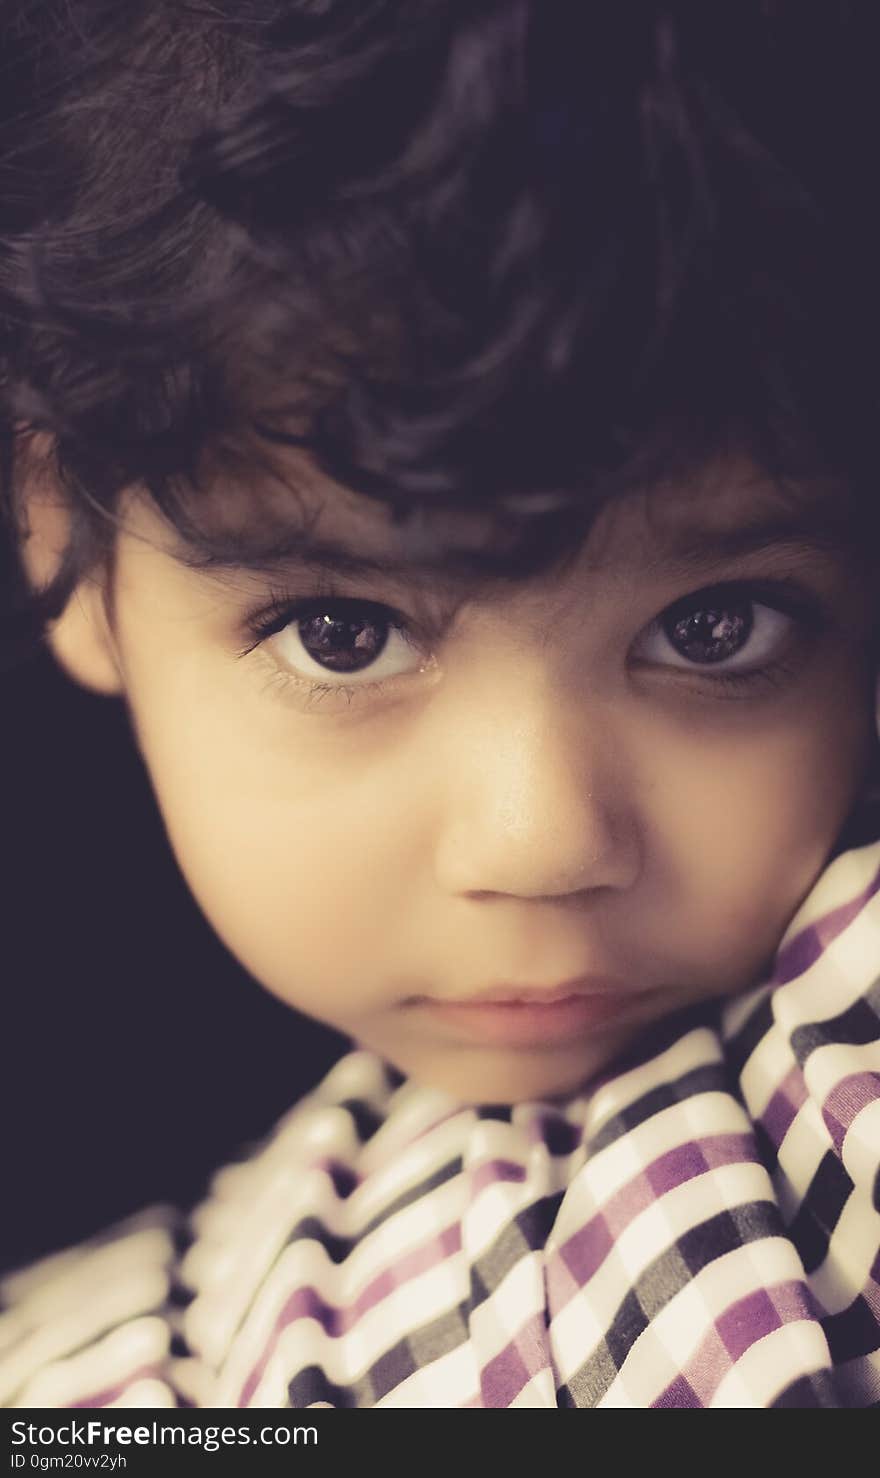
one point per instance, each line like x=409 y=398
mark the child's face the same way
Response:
x=545 y=787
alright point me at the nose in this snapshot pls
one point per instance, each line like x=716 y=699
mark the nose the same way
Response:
x=536 y=797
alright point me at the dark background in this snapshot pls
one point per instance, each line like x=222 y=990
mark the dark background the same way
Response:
x=137 y=1055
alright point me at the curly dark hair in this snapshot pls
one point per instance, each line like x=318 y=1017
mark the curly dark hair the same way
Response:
x=512 y=255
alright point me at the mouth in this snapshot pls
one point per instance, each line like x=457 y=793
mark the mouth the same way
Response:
x=528 y=1016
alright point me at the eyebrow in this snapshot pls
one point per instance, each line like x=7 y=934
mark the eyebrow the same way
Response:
x=301 y=549
x=819 y=529
x=684 y=547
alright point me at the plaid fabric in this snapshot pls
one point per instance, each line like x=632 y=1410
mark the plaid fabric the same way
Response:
x=700 y=1229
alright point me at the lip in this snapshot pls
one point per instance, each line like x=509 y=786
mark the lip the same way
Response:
x=527 y=1016
x=546 y=995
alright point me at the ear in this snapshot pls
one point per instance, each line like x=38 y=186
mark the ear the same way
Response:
x=81 y=639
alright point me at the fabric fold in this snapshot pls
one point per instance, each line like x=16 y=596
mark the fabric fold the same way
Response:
x=698 y=1228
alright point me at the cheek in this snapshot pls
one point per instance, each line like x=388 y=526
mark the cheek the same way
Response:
x=292 y=846
x=753 y=825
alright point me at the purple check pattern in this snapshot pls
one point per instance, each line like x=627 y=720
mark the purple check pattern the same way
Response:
x=698 y=1229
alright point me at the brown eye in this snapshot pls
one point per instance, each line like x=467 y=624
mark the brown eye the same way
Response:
x=727 y=631
x=709 y=630
x=363 y=643
x=343 y=642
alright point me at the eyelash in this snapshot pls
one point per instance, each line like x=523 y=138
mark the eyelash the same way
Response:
x=782 y=595
x=284 y=611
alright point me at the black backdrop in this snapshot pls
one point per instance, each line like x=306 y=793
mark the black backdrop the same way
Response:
x=136 y=1053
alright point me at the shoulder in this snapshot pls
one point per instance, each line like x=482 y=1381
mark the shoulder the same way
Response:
x=805 y=1050
x=141 y=1314
x=93 y=1325
x=813 y=1030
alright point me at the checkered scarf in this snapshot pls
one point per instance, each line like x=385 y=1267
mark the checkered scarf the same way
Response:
x=701 y=1228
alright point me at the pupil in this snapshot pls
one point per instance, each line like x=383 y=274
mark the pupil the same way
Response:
x=342 y=644
x=710 y=633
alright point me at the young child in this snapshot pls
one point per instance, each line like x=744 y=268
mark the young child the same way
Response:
x=450 y=430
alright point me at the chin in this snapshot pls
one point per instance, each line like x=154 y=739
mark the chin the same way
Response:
x=481 y=1075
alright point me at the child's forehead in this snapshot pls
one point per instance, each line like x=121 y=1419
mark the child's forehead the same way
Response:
x=305 y=518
